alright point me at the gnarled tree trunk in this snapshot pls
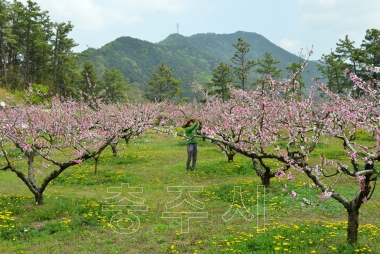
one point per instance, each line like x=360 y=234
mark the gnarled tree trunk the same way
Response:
x=266 y=175
x=353 y=223
x=113 y=146
x=39 y=198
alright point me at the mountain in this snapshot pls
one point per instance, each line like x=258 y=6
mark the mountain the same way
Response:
x=193 y=57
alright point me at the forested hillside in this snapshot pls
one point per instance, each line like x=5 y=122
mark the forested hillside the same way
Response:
x=193 y=57
x=136 y=59
x=38 y=53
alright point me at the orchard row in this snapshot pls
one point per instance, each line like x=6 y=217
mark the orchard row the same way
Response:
x=272 y=122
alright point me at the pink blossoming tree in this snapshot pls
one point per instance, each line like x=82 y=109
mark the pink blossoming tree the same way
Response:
x=340 y=118
x=39 y=142
x=275 y=124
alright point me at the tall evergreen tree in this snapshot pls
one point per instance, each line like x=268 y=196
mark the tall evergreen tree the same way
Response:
x=64 y=60
x=352 y=57
x=5 y=39
x=89 y=85
x=163 y=85
x=115 y=85
x=347 y=58
x=267 y=66
x=371 y=50
x=31 y=51
x=241 y=63
x=35 y=47
x=221 y=77
x=15 y=49
x=333 y=69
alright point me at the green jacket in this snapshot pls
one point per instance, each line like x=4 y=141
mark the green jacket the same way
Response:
x=191 y=132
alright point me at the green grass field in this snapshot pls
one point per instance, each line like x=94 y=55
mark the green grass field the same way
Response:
x=83 y=214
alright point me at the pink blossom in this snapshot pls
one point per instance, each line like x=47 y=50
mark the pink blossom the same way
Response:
x=77 y=161
x=27 y=147
x=353 y=156
x=45 y=165
x=78 y=152
x=361 y=180
x=38 y=171
x=280 y=174
x=291 y=177
x=284 y=188
x=365 y=200
x=293 y=194
x=325 y=194
x=347 y=70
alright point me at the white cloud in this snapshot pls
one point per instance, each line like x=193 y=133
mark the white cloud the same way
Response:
x=295 y=24
x=327 y=21
x=293 y=46
x=95 y=15
x=173 y=6
x=349 y=15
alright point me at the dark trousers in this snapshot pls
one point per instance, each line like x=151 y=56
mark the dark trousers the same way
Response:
x=192 y=152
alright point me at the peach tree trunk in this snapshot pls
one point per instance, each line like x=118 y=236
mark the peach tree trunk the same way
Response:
x=353 y=223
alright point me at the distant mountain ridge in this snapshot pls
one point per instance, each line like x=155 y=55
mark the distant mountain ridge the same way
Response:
x=193 y=57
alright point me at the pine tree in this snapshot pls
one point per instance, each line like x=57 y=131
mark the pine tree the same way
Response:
x=333 y=69
x=222 y=76
x=242 y=65
x=371 y=52
x=115 y=85
x=163 y=85
x=89 y=86
x=64 y=60
x=267 y=66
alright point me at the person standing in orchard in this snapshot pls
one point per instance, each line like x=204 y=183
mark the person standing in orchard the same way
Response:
x=191 y=127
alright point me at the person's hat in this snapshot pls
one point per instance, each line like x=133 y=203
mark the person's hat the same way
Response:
x=184 y=125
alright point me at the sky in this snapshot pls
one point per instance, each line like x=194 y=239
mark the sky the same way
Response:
x=294 y=25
